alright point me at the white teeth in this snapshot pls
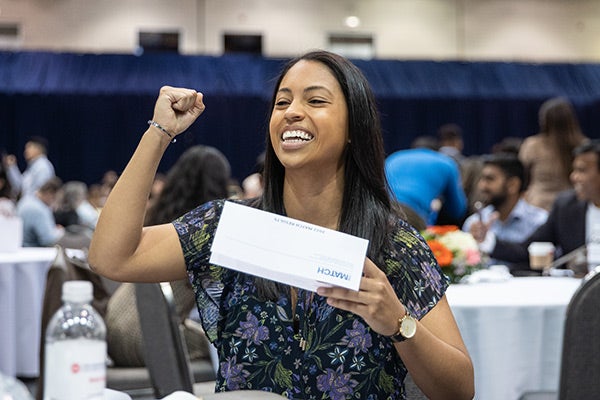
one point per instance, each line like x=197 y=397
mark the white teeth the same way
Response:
x=296 y=135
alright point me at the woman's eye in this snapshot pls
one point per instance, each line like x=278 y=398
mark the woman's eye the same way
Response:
x=316 y=101
x=281 y=103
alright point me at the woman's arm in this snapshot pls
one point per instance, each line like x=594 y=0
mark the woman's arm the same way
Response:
x=121 y=248
x=435 y=356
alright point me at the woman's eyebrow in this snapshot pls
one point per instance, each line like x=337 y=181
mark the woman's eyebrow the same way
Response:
x=308 y=89
x=316 y=87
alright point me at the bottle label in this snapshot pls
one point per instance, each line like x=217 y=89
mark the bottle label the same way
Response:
x=75 y=369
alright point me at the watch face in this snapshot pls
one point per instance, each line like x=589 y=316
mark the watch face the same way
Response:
x=409 y=327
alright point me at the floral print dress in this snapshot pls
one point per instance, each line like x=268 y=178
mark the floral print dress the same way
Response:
x=314 y=351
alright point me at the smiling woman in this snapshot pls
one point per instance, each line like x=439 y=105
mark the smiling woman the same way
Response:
x=323 y=165
x=308 y=123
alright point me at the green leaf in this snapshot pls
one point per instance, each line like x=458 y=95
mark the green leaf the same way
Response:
x=283 y=376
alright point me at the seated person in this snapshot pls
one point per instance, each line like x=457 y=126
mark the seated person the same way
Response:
x=79 y=226
x=501 y=185
x=571 y=218
x=8 y=207
x=421 y=177
x=35 y=210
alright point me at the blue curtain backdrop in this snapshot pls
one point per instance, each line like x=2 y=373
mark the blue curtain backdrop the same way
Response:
x=93 y=108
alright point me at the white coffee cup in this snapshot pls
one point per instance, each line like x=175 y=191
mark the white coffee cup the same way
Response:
x=541 y=255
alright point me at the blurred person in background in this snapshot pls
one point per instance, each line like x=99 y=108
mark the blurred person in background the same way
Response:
x=253 y=184
x=76 y=215
x=549 y=154
x=8 y=207
x=36 y=212
x=450 y=141
x=157 y=187
x=501 y=185
x=572 y=220
x=425 y=180
x=96 y=196
x=39 y=168
x=73 y=198
x=509 y=144
x=201 y=174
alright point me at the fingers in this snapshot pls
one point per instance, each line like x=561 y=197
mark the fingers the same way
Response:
x=177 y=108
x=371 y=291
x=376 y=302
x=183 y=99
x=478 y=230
x=493 y=218
x=10 y=159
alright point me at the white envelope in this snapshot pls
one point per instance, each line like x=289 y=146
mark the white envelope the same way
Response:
x=287 y=250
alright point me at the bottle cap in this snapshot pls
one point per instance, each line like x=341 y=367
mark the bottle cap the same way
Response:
x=77 y=291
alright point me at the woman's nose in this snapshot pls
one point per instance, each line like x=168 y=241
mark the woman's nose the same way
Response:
x=294 y=112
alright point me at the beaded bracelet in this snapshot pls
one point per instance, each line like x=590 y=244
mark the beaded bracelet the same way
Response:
x=163 y=130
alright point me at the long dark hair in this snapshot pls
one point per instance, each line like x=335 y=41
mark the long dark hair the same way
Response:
x=366 y=205
x=558 y=120
x=5 y=187
x=199 y=175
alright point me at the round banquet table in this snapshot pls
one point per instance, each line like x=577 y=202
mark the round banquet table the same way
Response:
x=513 y=331
x=22 y=282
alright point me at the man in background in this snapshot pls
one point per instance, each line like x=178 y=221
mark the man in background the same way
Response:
x=39 y=169
x=573 y=218
x=450 y=139
x=501 y=185
x=422 y=178
x=39 y=225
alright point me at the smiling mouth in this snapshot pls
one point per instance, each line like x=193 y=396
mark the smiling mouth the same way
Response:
x=296 y=136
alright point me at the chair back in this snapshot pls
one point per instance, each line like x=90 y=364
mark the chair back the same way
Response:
x=411 y=390
x=66 y=268
x=164 y=347
x=580 y=363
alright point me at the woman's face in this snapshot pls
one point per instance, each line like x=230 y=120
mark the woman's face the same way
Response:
x=309 y=122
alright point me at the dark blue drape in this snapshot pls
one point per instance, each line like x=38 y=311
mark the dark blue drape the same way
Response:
x=93 y=108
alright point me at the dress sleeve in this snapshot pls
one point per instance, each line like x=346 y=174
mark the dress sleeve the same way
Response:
x=196 y=231
x=413 y=271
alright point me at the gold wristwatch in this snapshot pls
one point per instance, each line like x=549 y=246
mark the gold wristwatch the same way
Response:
x=407 y=327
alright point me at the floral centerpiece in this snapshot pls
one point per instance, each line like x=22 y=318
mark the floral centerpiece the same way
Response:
x=456 y=251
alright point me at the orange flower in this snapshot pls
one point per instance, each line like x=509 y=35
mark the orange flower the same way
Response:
x=442 y=254
x=441 y=229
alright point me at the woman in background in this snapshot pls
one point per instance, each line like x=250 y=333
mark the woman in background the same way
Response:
x=549 y=154
x=8 y=207
x=200 y=174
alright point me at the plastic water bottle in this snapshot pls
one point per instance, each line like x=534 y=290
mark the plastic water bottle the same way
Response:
x=75 y=358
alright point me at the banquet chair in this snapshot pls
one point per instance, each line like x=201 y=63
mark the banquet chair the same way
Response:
x=580 y=361
x=73 y=266
x=411 y=390
x=166 y=369
x=163 y=344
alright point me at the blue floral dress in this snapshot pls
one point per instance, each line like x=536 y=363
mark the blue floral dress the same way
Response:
x=315 y=351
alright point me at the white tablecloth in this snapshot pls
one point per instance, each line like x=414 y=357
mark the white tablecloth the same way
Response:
x=513 y=331
x=22 y=282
